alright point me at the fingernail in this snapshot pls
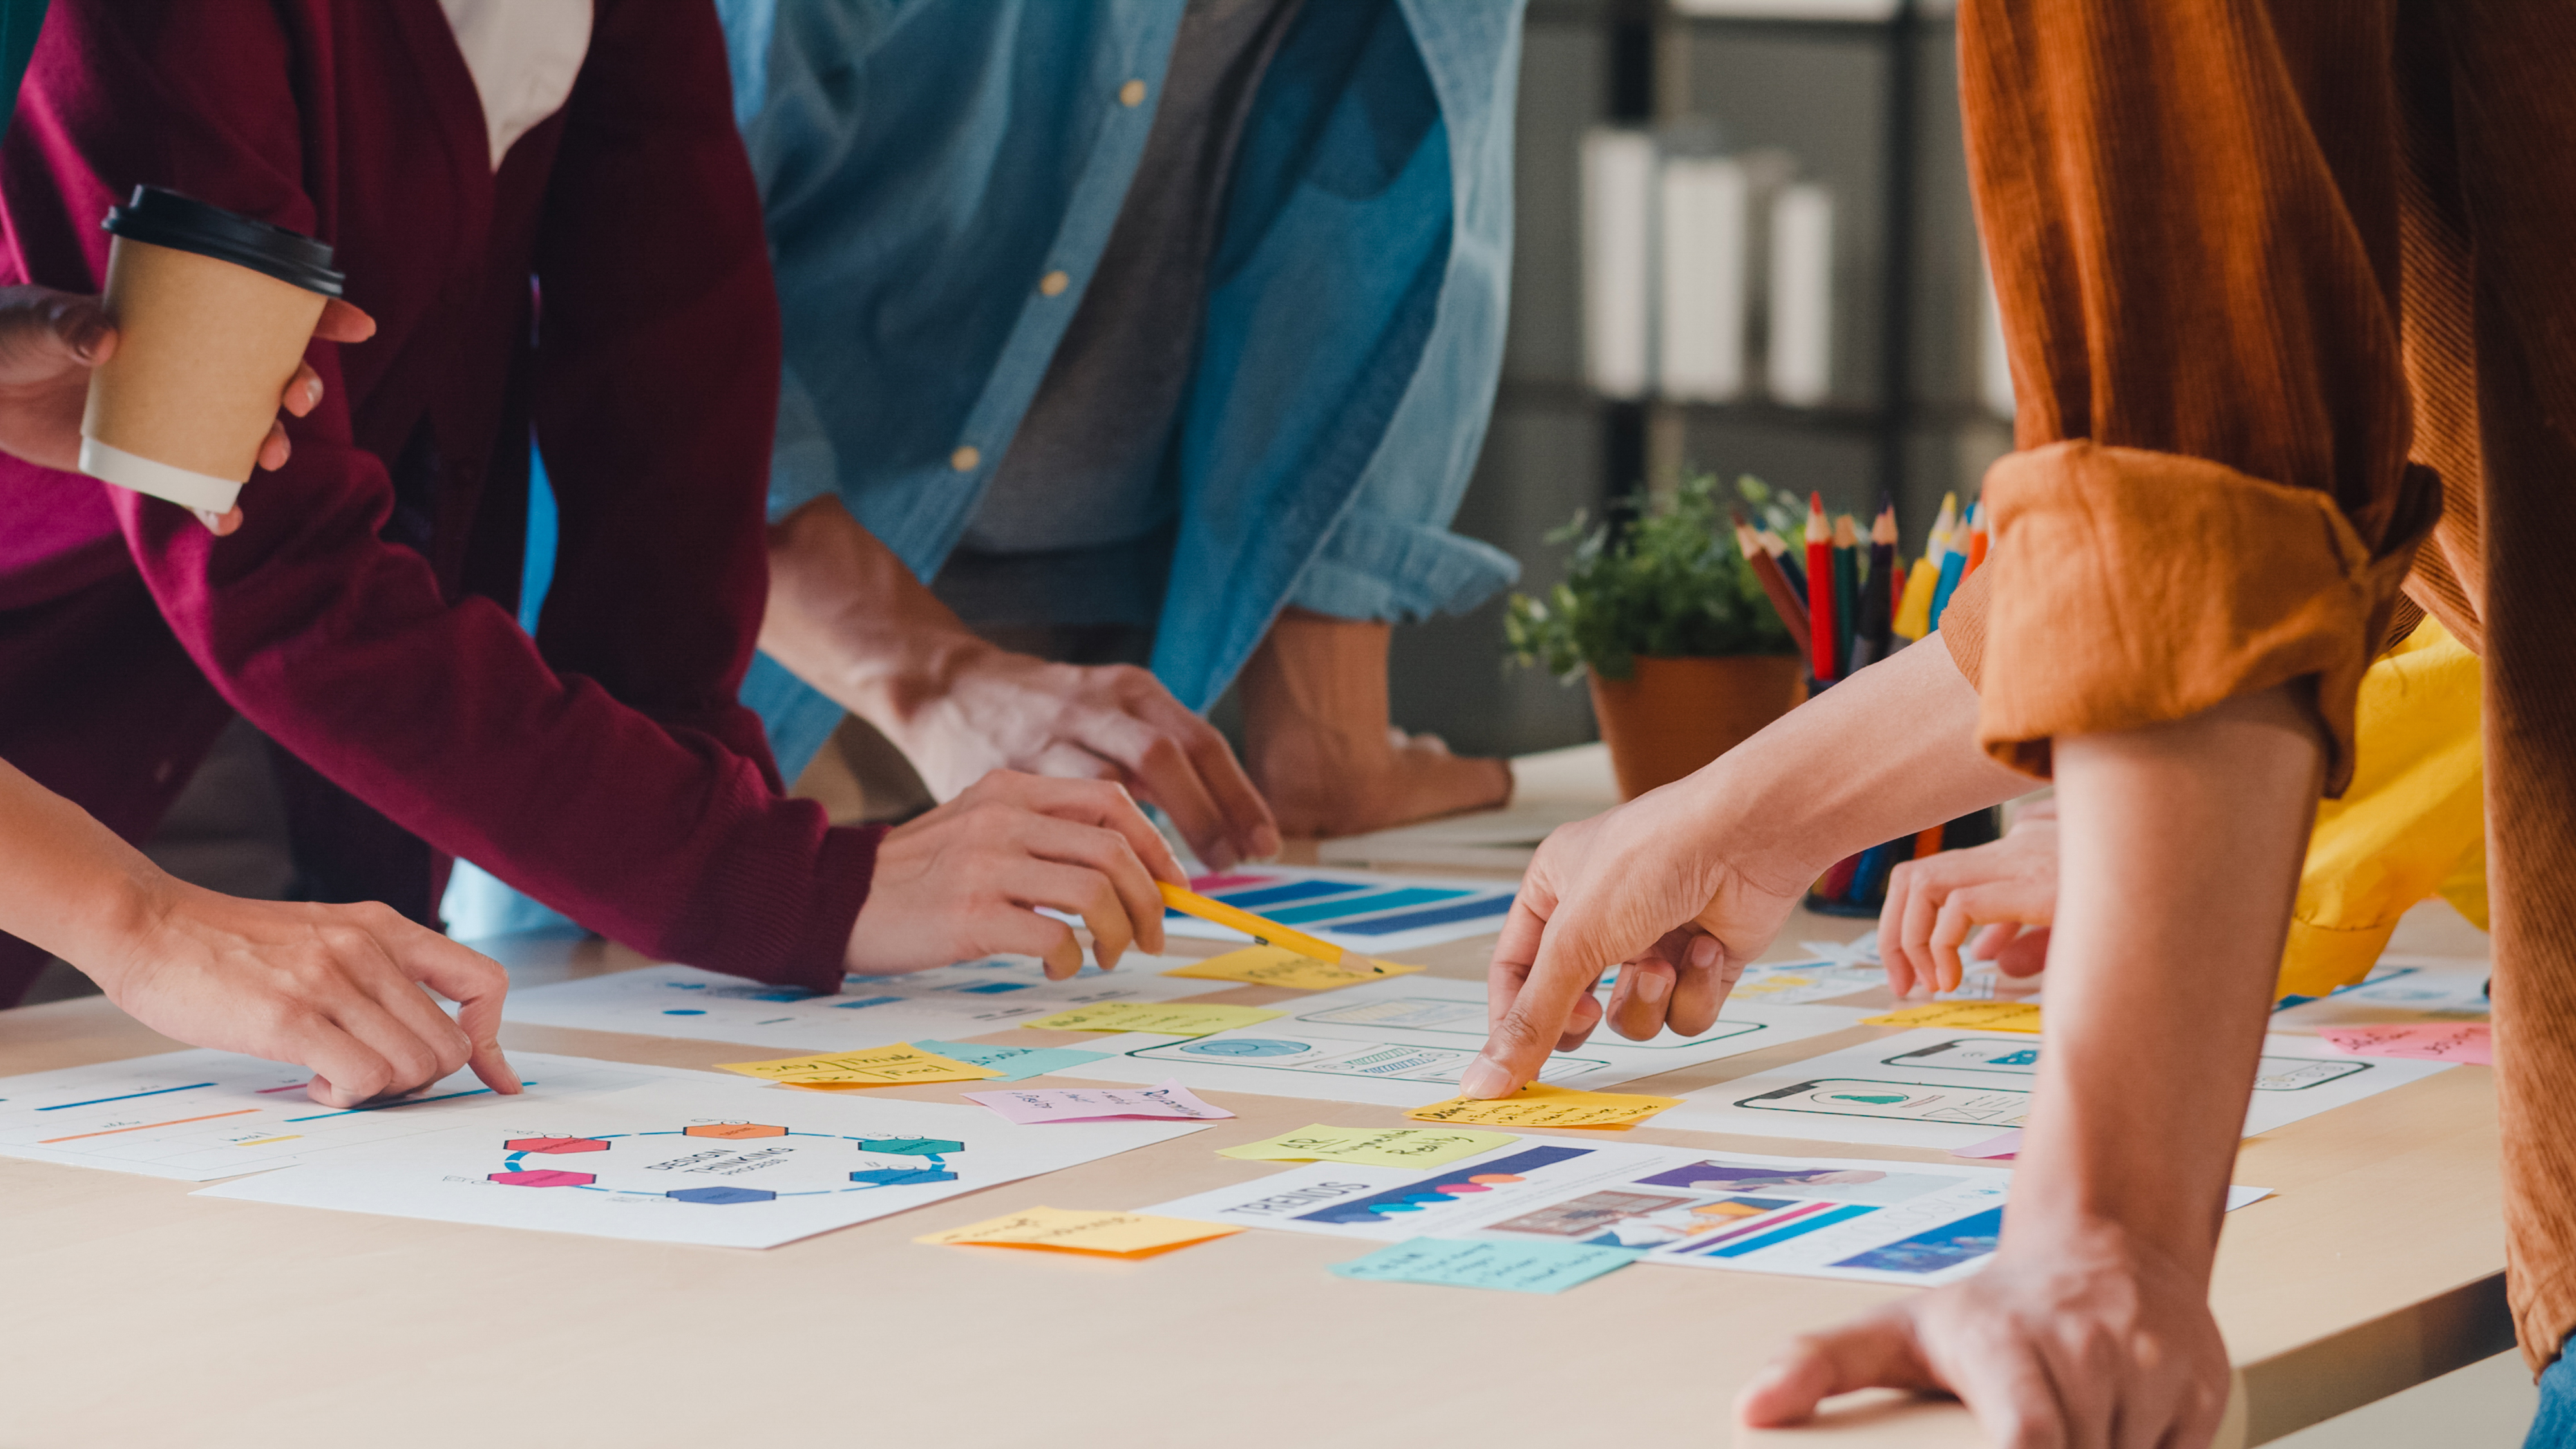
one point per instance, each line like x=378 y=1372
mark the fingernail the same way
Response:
x=1483 y=1078
x=1703 y=954
x=313 y=392
x=1265 y=843
x=209 y=517
x=1652 y=987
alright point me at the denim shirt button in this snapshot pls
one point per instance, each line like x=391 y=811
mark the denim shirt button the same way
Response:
x=1054 y=283
x=965 y=458
x=1132 y=93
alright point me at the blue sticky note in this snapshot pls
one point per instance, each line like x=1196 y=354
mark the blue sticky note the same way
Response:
x=1014 y=1063
x=1514 y=1267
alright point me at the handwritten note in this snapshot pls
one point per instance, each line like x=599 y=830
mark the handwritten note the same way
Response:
x=1091 y=1104
x=1171 y=1018
x=1372 y=1146
x=1071 y=1230
x=2431 y=1041
x=876 y=1067
x=1964 y=1016
x=1013 y=1063
x=1540 y=1105
x=1513 y=1267
x=1279 y=966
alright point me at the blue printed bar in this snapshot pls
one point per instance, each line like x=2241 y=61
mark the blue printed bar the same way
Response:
x=1361 y=905
x=1797 y=1229
x=1436 y=916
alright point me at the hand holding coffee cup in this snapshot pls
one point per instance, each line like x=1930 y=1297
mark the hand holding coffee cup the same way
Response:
x=198 y=341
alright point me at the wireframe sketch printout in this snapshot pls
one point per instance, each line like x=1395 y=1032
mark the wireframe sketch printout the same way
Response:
x=966 y=999
x=199 y=1115
x=1402 y=1043
x=715 y=1163
x=1376 y=914
x=1949 y=1089
x=1877 y=1222
x=2399 y=988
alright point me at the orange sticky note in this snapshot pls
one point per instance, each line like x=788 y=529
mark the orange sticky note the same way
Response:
x=1074 y=1230
x=1540 y=1105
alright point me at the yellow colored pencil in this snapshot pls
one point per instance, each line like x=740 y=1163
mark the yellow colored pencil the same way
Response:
x=1266 y=930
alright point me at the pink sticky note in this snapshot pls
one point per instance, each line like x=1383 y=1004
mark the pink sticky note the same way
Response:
x=1092 y=1104
x=1206 y=883
x=2431 y=1041
x=2000 y=1148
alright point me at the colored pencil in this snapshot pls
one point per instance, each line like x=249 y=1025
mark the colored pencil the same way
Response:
x=1977 y=540
x=1778 y=547
x=1896 y=577
x=1914 y=617
x=1954 y=567
x=1837 y=880
x=1266 y=931
x=1846 y=594
x=1822 y=626
x=1878 y=613
x=1774 y=583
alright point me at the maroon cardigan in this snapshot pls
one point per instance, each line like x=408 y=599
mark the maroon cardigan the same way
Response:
x=363 y=615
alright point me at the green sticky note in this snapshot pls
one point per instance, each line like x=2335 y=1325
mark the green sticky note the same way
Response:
x=1013 y=1062
x=1513 y=1267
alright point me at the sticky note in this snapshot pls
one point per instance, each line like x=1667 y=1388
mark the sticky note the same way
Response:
x=1964 y=1016
x=1013 y=1063
x=1279 y=966
x=2431 y=1041
x=1092 y=1104
x=1540 y=1105
x=1171 y=1018
x=876 y=1067
x=1513 y=1267
x=1070 y=1230
x=1372 y=1146
x=2002 y=1148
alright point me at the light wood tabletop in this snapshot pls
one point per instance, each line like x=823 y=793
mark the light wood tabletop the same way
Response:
x=139 y=1314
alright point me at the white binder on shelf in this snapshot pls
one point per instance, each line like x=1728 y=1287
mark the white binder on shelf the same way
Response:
x=1798 y=368
x=1705 y=225
x=1618 y=258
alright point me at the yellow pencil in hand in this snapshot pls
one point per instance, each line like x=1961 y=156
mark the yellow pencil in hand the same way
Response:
x=1267 y=931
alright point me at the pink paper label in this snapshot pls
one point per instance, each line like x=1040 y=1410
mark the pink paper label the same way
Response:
x=1093 y=1104
x=2430 y=1041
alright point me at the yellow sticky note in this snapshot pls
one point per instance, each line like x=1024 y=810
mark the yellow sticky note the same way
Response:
x=1372 y=1146
x=1540 y=1105
x=876 y=1067
x=1171 y=1018
x=1070 y=1230
x=1964 y=1016
x=1279 y=966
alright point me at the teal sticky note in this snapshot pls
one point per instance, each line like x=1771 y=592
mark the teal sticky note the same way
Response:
x=1014 y=1063
x=1514 y=1267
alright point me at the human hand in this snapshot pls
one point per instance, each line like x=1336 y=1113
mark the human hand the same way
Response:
x=333 y=988
x=2081 y=1340
x=2007 y=889
x=1643 y=887
x=1006 y=711
x=967 y=879
x=49 y=342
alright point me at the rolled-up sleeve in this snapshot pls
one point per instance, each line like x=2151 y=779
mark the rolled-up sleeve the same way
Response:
x=2192 y=213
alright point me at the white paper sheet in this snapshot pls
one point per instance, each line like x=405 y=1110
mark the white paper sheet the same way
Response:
x=715 y=1163
x=1947 y=1089
x=2399 y=988
x=1381 y=915
x=966 y=999
x=1402 y=1043
x=199 y=1115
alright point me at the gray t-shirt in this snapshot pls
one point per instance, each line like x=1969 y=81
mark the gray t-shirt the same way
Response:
x=1075 y=526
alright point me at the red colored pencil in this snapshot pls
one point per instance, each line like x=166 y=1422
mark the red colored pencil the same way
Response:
x=1820 y=589
x=1775 y=583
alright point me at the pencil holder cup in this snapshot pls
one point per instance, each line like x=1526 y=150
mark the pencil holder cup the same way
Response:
x=1857 y=884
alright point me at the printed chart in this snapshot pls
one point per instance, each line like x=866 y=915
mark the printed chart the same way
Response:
x=1402 y=1043
x=2400 y=988
x=1947 y=1089
x=1878 y=1222
x=714 y=1163
x=1382 y=915
x=199 y=1115
x=966 y=999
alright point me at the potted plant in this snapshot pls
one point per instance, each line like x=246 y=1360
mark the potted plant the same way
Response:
x=1685 y=656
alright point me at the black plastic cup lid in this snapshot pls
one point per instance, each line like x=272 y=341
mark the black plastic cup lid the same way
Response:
x=183 y=223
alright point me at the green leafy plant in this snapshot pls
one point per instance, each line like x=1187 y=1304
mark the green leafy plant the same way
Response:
x=1672 y=584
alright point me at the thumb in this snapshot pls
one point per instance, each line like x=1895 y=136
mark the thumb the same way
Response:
x=45 y=334
x=1876 y=1352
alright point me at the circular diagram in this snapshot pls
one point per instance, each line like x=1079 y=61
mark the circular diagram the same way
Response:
x=719 y=1164
x=1248 y=1046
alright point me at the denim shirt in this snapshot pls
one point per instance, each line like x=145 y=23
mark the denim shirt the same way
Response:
x=926 y=164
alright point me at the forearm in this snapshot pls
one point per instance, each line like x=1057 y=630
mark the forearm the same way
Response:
x=846 y=616
x=1889 y=751
x=2179 y=858
x=74 y=888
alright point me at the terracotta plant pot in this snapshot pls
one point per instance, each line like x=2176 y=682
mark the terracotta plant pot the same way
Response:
x=1671 y=716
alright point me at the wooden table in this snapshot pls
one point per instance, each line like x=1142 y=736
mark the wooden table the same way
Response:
x=140 y=1315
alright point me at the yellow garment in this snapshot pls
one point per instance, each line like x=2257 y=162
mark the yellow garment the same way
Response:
x=2412 y=824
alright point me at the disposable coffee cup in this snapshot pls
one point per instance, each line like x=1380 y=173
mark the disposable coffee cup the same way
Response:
x=212 y=312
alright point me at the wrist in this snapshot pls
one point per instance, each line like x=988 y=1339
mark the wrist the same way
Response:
x=898 y=684
x=111 y=929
